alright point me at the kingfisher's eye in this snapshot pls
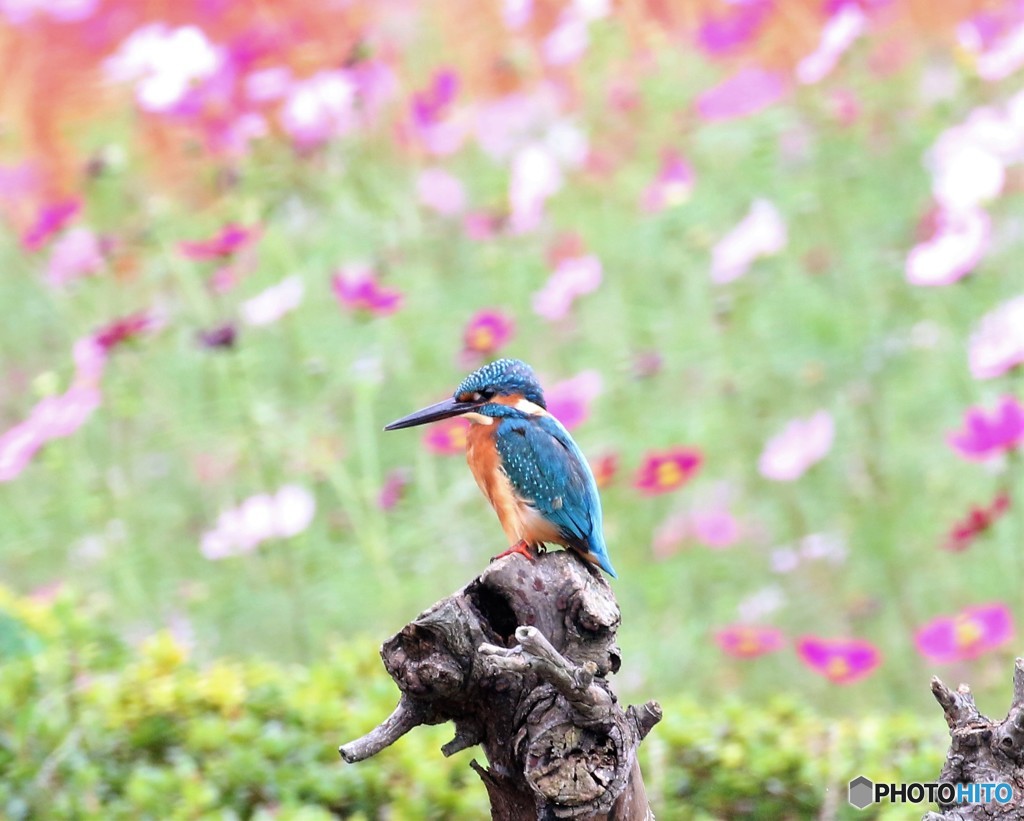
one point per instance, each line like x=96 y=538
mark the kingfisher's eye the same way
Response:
x=486 y=395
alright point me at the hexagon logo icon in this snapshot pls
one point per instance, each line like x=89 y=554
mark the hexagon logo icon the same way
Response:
x=862 y=792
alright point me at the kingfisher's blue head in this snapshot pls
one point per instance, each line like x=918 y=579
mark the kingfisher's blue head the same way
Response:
x=487 y=390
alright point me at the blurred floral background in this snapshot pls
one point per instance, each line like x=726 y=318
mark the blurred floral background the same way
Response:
x=764 y=255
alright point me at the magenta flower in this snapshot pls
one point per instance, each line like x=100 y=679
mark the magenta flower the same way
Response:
x=966 y=635
x=121 y=330
x=721 y=34
x=487 y=332
x=356 y=288
x=274 y=302
x=667 y=470
x=259 y=518
x=569 y=400
x=838 y=35
x=762 y=232
x=997 y=345
x=441 y=192
x=447 y=438
x=50 y=220
x=841 y=661
x=432 y=120
x=960 y=241
x=747 y=641
x=76 y=254
x=800 y=444
x=572 y=278
x=985 y=436
x=673 y=185
x=226 y=242
x=745 y=93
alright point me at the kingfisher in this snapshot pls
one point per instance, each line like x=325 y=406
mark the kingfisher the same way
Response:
x=525 y=462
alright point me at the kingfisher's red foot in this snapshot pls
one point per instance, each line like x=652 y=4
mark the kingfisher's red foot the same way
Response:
x=520 y=547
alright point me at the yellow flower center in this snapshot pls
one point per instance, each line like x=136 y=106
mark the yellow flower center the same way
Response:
x=837 y=668
x=966 y=632
x=668 y=474
x=676 y=193
x=746 y=642
x=481 y=338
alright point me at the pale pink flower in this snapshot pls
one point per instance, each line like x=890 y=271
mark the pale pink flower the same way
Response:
x=17 y=447
x=357 y=288
x=270 y=305
x=842 y=29
x=259 y=518
x=59 y=416
x=800 y=444
x=716 y=528
x=762 y=232
x=1004 y=58
x=673 y=185
x=567 y=42
x=747 y=92
x=76 y=254
x=164 y=64
x=536 y=177
x=964 y=174
x=90 y=358
x=997 y=345
x=959 y=243
x=516 y=13
x=320 y=108
x=574 y=277
x=569 y=400
x=441 y=191
x=747 y=641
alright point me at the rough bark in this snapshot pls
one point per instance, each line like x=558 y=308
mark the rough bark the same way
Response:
x=982 y=751
x=518 y=661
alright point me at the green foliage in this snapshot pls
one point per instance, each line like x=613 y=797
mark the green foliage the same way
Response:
x=90 y=729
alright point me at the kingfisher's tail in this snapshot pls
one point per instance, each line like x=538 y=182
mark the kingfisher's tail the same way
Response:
x=597 y=554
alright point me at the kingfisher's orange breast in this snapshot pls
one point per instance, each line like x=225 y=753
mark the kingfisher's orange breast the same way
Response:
x=518 y=518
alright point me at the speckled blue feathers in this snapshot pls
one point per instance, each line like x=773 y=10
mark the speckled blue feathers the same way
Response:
x=547 y=469
x=505 y=377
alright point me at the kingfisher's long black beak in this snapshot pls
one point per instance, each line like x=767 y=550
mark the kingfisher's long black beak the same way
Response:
x=442 y=410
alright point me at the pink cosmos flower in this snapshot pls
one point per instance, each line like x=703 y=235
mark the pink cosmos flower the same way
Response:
x=393 y=488
x=441 y=191
x=673 y=185
x=447 y=438
x=50 y=220
x=800 y=444
x=487 y=332
x=569 y=400
x=357 y=289
x=433 y=121
x=76 y=254
x=667 y=470
x=841 y=661
x=762 y=232
x=998 y=44
x=59 y=416
x=743 y=94
x=838 y=35
x=567 y=42
x=747 y=641
x=997 y=345
x=965 y=635
x=986 y=436
x=482 y=225
x=960 y=241
x=721 y=34
x=273 y=303
x=572 y=278
x=259 y=518
x=230 y=239
x=716 y=528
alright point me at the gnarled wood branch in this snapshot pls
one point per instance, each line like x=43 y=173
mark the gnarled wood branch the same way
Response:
x=518 y=660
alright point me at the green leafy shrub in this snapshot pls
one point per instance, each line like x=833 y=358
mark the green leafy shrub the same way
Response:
x=93 y=729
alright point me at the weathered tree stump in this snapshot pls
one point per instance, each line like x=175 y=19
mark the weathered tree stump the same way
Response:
x=518 y=660
x=983 y=751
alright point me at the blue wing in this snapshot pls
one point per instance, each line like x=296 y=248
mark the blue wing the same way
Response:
x=547 y=469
